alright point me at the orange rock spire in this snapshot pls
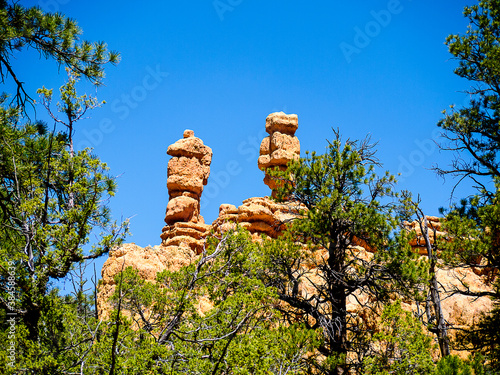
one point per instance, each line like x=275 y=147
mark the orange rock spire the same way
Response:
x=187 y=172
x=281 y=146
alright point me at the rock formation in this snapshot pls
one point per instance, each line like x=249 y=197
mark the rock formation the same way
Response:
x=257 y=215
x=435 y=231
x=184 y=235
x=417 y=242
x=148 y=261
x=280 y=147
x=264 y=215
x=187 y=173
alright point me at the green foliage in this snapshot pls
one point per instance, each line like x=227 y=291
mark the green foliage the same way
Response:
x=237 y=331
x=53 y=36
x=484 y=339
x=345 y=205
x=475 y=229
x=473 y=130
x=341 y=186
x=161 y=327
x=452 y=365
x=401 y=346
x=72 y=106
x=50 y=202
x=273 y=351
x=473 y=225
x=67 y=330
x=52 y=197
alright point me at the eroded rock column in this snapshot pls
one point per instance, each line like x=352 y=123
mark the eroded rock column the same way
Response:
x=187 y=172
x=280 y=147
x=264 y=215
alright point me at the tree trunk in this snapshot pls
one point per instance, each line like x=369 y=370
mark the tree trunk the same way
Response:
x=336 y=327
x=31 y=319
x=441 y=329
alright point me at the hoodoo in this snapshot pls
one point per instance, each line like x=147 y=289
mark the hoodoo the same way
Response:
x=280 y=147
x=187 y=173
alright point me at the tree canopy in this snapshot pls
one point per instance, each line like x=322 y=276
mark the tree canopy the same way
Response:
x=472 y=133
x=52 y=197
x=54 y=36
x=346 y=205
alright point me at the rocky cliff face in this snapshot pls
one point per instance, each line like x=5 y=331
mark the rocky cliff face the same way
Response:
x=184 y=234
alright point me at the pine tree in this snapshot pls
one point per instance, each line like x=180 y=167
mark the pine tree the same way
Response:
x=236 y=332
x=51 y=199
x=472 y=133
x=51 y=195
x=53 y=36
x=347 y=205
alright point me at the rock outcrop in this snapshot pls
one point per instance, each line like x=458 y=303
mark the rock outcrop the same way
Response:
x=257 y=215
x=183 y=236
x=264 y=215
x=436 y=231
x=148 y=261
x=280 y=147
x=187 y=173
x=417 y=242
x=185 y=232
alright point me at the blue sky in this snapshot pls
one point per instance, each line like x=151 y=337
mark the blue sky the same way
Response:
x=220 y=67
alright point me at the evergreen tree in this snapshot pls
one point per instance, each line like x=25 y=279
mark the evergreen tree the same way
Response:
x=472 y=133
x=401 y=346
x=51 y=198
x=436 y=322
x=236 y=332
x=53 y=36
x=347 y=205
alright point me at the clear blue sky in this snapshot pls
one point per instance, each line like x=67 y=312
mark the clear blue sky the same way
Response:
x=219 y=68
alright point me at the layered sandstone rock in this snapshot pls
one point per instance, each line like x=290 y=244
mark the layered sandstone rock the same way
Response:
x=460 y=311
x=280 y=147
x=434 y=230
x=187 y=173
x=148 y=261
x=257 y=215
x=184 y=235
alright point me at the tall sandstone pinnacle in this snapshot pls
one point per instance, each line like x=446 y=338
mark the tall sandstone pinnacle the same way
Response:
x=264 y=215
x=280 y=147
x=183 y=237
x=187 y=173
